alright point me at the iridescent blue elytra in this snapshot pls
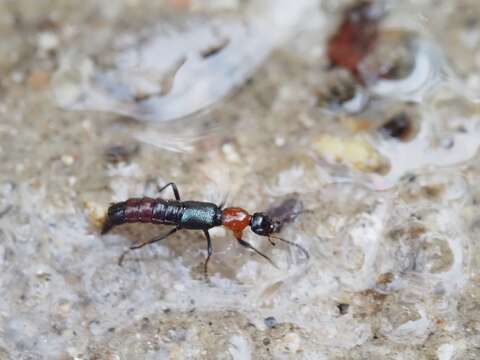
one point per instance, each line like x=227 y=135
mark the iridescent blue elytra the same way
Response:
x=200 y=215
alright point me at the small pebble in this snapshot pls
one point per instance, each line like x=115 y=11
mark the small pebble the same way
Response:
x=343 y=308
x=399 y=126
x=47 y=41
x=270 y=322
x=17 y=76
x=279 y=141
x=38 y=79
x=353 y=152
x=96 y=213
x=291 y=342
x=68 y=160
x=230 y=153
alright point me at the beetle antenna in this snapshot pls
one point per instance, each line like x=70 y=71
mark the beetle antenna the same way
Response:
x=299 y=247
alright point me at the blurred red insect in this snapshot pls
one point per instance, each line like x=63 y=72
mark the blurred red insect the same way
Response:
x=355 y=37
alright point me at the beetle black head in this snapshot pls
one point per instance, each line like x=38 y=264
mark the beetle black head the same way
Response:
x=262 y=224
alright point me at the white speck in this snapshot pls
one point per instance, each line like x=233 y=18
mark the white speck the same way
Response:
x=47 y=41
x=279 y=141
x=68 y=160
x=72 y=180
x=17 y=76
x=445 y=351
x=179 y=287
x=86 y=124
x=240 y=348
x=230 y=153
x=292 y=342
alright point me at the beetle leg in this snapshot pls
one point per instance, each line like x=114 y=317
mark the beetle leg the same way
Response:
x=250 y=246
x=209 y=251
x=174 y=188
x=142 y=244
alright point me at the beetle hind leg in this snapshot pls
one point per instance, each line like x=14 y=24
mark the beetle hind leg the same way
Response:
x=142 y=244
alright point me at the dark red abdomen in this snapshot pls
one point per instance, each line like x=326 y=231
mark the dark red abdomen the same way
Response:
x=139 y=210
x=130 y=211
x=144 y=210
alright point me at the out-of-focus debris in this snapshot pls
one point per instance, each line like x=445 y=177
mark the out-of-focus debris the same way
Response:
x=39 y=79
x=392 y=62
x=392 y=58
x=48 y=41
x=339 y=88
x=355 y=37
x=7 y=189
x=166 y=83
x=356 y=124
x=354 y=152
x=343 y=308
x=292 y=342
x=399 y=126
x=96 y=214
x=173 y=72
x=215 y=5
x=67 y=159
x=171 y=138
x=4 y=211
x=240 y=348
x=121 y=153
x=214 y=49
x=179 y=4
x=270 y=322
x=231 y=153
x=429 y=69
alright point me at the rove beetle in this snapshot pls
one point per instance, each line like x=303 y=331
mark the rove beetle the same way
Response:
x=191 y=215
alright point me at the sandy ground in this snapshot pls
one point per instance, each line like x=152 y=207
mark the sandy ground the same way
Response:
x=391 y=226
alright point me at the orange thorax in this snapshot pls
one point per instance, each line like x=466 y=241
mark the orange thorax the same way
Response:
x=236 y=219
